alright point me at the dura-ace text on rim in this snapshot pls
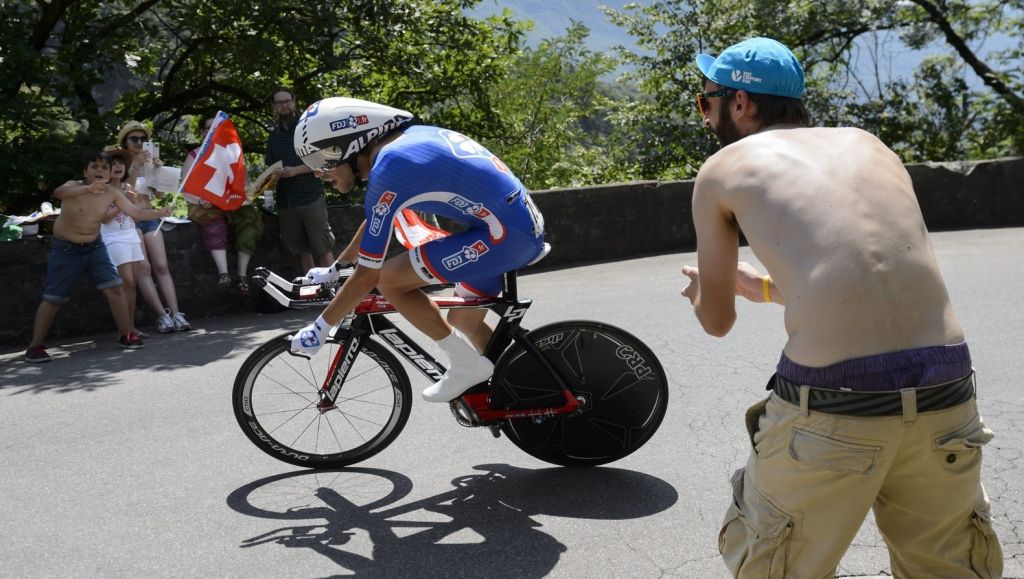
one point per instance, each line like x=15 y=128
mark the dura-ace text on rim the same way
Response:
x=276 y=396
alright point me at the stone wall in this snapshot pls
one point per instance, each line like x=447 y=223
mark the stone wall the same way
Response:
x=584 y=225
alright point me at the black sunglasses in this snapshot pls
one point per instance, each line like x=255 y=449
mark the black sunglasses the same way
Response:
x=138 y=139
x=702 y=98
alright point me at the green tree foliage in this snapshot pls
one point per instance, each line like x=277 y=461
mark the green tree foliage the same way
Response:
x=550 y=109
x=87 y=66
x=936 y=115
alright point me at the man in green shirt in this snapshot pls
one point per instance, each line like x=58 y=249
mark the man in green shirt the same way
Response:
x=299 y=196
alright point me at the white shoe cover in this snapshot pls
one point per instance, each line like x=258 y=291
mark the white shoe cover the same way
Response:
x=458 y=379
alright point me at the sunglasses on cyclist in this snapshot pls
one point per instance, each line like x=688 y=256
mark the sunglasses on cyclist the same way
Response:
x=138 y=139
x=351 y=162
x=702 y=98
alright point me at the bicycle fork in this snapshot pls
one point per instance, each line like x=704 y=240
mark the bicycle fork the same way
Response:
x=340 y=366
x=352 y=341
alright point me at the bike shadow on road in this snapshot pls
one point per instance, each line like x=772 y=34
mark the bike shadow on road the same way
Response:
x=482 y=527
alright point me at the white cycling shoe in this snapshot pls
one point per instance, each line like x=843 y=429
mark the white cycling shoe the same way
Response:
x=457 y=380
x=468 y=368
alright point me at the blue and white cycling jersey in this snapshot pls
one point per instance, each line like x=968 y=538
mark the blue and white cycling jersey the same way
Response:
x=440 y=171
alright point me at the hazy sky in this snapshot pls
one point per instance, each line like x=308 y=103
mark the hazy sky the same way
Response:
x=883 y=51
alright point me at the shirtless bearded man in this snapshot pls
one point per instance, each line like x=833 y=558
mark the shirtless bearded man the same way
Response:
x=872 y=404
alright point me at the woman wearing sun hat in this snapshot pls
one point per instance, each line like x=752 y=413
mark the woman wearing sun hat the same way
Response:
x=132 y=137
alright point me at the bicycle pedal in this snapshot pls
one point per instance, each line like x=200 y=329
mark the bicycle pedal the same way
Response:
x=495 y=430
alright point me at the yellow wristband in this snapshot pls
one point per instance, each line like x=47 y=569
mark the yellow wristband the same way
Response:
x=766 y=287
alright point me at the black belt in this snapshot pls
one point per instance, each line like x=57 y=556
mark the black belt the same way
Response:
x=888 y=403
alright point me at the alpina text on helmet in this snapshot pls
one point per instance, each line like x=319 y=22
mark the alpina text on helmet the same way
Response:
x=360 y=142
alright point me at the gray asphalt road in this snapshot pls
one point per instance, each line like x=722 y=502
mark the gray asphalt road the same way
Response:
x=123 y=464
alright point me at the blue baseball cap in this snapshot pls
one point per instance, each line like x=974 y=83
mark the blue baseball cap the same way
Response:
x=758 y=65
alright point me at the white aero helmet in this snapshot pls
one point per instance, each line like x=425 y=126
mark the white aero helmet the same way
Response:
x=333 y=130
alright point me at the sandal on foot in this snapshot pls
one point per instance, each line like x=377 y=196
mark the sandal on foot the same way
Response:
x=243 y=286
x=224 y=281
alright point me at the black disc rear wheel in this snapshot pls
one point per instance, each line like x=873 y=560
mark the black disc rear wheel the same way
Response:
x=620 y=383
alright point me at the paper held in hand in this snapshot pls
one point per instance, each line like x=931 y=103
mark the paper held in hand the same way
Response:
x=265 y=182
x=163 y=179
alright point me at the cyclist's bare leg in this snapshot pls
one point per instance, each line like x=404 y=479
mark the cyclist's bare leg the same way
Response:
x=471 y=323
x=400 y=284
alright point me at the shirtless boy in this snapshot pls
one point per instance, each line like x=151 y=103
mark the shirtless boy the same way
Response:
x=77 y=247
x=873 y=401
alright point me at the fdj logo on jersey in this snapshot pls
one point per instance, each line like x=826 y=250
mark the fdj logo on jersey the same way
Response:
x=380 y=211
x=468 y=254
x=351 y=122
x=468 y=207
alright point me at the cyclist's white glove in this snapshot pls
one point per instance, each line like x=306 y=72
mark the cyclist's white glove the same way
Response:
x=309 y=340
x=330 y=273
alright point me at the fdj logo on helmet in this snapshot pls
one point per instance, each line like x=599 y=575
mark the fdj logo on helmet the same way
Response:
x=350 y=122
x=468 y=254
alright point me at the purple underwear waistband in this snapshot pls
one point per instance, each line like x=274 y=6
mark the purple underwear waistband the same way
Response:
x=915 y=368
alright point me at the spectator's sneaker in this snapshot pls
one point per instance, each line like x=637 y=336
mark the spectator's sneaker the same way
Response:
x=140 y=333
x=165 y=324
x=37 y=354
x=131 y=341
x=180 y=323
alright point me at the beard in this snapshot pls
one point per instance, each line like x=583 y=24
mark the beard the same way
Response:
x=288 y=120
x=726 y=130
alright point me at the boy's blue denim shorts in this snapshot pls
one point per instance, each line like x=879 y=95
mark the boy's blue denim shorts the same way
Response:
x=68 y=260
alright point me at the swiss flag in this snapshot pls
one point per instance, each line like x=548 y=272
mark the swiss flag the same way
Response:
x=218 y=175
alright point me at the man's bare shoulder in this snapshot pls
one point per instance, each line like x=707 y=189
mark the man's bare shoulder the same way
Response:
x=775 y=151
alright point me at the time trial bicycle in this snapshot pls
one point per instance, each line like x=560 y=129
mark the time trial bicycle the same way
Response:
x=572 y=393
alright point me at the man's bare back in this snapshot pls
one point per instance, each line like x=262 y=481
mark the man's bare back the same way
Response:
x=832 y=214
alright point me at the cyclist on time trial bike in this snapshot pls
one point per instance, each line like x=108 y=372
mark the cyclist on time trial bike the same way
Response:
x=429 y=169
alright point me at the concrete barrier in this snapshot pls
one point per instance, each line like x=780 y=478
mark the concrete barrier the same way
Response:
x=584 y=225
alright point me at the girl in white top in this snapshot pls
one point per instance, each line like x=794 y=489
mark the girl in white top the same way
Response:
x=119 y=235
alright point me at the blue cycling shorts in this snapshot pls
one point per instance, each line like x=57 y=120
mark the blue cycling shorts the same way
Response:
x=473 y=260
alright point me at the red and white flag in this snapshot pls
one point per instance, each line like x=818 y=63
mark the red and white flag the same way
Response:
x=218 y=174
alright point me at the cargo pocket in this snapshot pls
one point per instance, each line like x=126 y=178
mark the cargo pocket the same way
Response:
x=986 y=553
x=755 y=535
x=832 y=453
